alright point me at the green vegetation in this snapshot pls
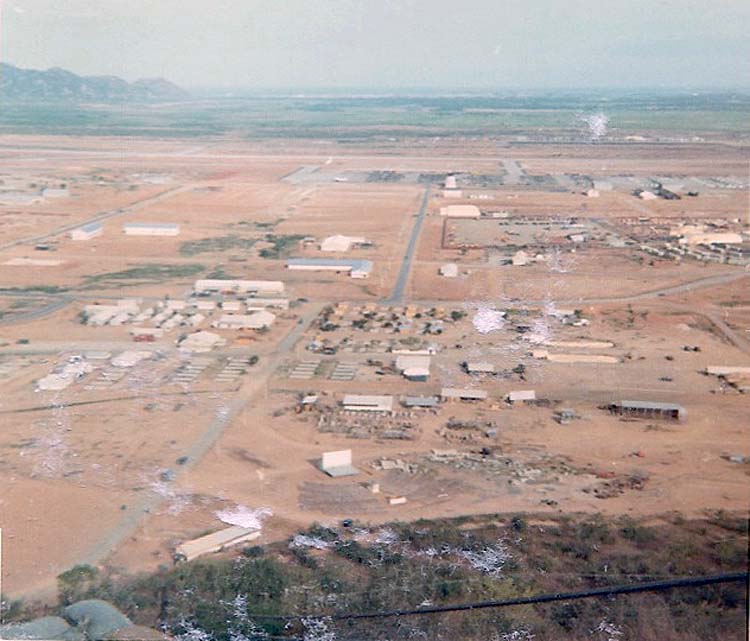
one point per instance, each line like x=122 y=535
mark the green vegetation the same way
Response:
x=333 y=570
x=151 y=273
x=356 y=120
x=219 y=273
x=259 y=225
x=33 y=289
x=217 y=244
x=282 y=245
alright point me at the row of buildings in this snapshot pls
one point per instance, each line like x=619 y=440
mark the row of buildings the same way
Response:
x=94 y=229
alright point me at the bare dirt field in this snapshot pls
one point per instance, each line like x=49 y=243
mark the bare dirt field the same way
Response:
x=124 y=463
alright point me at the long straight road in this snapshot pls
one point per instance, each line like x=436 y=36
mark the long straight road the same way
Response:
x=397 y=295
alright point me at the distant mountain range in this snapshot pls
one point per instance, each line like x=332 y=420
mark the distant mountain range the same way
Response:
x=60 y=85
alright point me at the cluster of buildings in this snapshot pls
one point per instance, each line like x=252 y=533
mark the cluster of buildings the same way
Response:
x=21 y=193
x=701 y=242
x=385 y=404
x=226 y=304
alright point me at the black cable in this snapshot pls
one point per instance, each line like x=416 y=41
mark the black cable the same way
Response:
x=650 y=586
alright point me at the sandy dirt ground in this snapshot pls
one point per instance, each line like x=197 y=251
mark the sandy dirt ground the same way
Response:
x=105 y=473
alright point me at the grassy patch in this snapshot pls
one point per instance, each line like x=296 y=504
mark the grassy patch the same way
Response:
x=152 y=273
x=282 y=245
x=405 y=565
x=217 y=244
x=34 y=289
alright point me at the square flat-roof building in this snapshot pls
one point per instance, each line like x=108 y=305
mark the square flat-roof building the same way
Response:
x=151 y=229
x=368 y=403
x=87 y=232
x=449 y=270
x=649 y=409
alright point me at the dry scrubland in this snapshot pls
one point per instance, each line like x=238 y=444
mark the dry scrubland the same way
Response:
x=99 y=475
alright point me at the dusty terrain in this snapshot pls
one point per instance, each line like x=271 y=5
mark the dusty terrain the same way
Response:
x=119 y=473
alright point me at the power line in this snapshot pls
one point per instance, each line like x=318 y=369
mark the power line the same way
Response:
x=650 y=586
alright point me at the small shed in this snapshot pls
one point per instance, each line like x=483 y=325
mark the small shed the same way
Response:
x=649 y=409
x=449 y=270
x=521 y=396
x=337 y=464
x=458 y=394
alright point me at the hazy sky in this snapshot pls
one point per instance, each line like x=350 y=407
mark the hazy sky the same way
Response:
x=388 y=43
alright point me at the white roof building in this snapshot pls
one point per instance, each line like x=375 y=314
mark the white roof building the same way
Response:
x=712 y=238
x=521 y=395
x=209 y=285
x=410 y=361
x=338 y=463
x=449 y=270
x=202 y=342
x=341 y=243
x=256 y=320
x=87 y=232
x=215 y=542
x=460 y=211
x=151 y=229
x=259 y=303
x=368 y=403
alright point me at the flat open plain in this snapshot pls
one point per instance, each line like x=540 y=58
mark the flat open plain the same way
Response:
x=123 y=464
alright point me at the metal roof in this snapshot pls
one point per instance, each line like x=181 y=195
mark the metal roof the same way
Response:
x=364 y=399
x=454 y=392
x=91 y=226
x=650 y=405
x=420 y=401
x=153 y=225
x=358 y=264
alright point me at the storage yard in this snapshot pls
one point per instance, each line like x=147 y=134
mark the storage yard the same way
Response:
x=184 y=332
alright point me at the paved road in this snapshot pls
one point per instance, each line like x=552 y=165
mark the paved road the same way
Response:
x=139 y=204
x=513 y=171
x=50 y=307
x=397 y=295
